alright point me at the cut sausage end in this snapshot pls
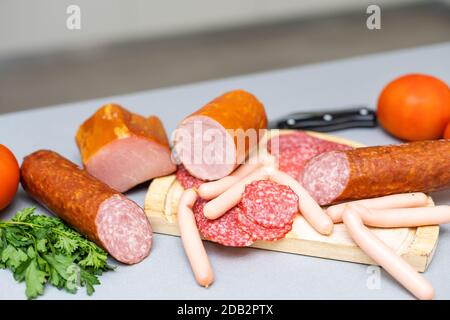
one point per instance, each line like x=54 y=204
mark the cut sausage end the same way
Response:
x=205 y=148
x=123 y=229
x=127 y=162
x=326 y=175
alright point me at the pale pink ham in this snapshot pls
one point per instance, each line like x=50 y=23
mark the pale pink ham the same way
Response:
x=127 y=162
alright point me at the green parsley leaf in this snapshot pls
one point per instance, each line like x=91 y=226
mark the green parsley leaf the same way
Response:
x=23 y=214
x=35 y=280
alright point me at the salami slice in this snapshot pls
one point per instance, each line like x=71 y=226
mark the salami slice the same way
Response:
x=257 y=231
x=187 y=180
x=269 y=204
x=293 y=150
x=224 y=230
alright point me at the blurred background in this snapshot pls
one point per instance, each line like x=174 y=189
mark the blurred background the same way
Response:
x=126 y=46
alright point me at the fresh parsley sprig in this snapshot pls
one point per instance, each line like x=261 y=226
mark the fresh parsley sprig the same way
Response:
x=41 y=249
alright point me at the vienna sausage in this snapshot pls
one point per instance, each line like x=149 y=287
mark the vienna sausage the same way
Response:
x=386 y=257
x=405 y=200
x=192 y=243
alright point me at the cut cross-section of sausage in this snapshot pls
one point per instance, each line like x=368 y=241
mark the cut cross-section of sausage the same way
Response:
x=214 y=140
x=100 y=213
x=370 y=172
x=293 y=150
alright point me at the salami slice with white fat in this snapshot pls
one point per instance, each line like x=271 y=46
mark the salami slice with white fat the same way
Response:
x=267 y=210
x=187 y=180
x=259 y=232
x=224 y=230
x=269 y=204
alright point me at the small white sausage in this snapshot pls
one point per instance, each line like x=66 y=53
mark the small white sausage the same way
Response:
x=192 y=243
x=216 y=207
x=309 y=208
x=404 y=200
x=386 y=257
x=210 y=190
x=403 y=217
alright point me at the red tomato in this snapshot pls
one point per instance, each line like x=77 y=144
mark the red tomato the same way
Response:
x=415 y=107
x=9 y=176
x=447 y=132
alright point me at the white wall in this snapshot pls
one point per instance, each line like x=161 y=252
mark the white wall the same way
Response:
x=40 y=25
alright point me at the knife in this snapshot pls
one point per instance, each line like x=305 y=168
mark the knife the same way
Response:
x=325 y=121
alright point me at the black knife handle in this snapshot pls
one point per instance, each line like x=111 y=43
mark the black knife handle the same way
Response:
x=325 y=121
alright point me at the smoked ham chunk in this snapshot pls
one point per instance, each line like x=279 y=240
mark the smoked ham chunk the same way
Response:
x=124 y=149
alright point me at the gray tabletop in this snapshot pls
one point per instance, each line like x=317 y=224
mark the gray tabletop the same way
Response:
x=241 y=273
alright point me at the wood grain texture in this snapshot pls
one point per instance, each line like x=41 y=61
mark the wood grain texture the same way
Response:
x=415 y=245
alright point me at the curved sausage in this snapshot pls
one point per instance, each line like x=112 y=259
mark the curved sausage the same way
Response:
x=192 y=243
x=211 y=142
x=124 y=149
x=217 y=207
x=309 y=208
x=386 y=257
x=401 y=217
x=103 y=215
x=336 y=176
x=405 y=200
x=210 y=190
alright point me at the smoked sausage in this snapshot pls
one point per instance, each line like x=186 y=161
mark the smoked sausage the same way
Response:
x=100 y=213
x=215 y=139
x=369 y=172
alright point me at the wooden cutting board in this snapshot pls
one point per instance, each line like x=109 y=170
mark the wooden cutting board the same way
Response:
x=415 y=245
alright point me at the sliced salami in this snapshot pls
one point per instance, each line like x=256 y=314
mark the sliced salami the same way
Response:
x=224 y=230
x=186 y=179
x=257 y=231
x=269 y=204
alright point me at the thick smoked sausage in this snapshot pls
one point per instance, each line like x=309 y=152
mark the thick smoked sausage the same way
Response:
x=214 y=140
x=370 y=172
x=103 y=215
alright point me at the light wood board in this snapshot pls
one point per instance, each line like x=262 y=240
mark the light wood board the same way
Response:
x=415 y=245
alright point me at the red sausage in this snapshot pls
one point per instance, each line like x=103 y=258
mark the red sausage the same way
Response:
x=103 y=215
x=370 y=172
